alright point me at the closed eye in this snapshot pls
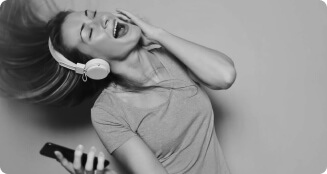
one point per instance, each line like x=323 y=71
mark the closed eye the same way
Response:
x=91 y=31
x=95 y=13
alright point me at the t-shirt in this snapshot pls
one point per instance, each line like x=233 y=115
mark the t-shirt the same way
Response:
x=180 y=132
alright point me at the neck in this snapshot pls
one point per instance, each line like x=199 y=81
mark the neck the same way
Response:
x=138 y=66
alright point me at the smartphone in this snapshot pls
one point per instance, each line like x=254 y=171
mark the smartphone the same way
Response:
x=49 y=148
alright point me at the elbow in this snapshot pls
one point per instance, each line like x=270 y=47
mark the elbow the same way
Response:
x=230 y=78
x=226 y=82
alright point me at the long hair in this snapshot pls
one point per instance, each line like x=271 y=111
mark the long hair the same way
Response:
x=29 y=72
x=27 y=69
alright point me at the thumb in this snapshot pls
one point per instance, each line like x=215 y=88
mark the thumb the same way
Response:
x=145 y=41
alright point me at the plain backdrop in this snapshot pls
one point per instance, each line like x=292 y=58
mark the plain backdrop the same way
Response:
x=272 y=120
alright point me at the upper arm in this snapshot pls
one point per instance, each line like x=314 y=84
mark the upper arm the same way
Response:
x=137 y=157
x=197 y=80
x=213 y=87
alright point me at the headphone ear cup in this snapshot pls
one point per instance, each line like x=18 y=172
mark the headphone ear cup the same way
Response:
x=97 y=69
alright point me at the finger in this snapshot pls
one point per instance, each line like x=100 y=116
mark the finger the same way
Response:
x=125 y=12
x=64 y=162
x=122 y=17
x=134 y=19
x=78 y=159
x=89 y=161
x=100 y=165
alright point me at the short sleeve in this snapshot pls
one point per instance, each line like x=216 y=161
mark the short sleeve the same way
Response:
x=112 y=130
x=175 y=67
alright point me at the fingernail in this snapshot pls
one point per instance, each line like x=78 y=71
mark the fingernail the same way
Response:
x=93 y=148
x=56 y=153
x=79 y=147
x=101 y=154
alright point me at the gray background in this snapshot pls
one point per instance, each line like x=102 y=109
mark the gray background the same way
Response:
x=272 y=120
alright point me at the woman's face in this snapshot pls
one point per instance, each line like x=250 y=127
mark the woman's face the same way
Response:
x=92 y=33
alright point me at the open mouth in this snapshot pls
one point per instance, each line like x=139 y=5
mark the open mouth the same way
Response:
x=120 y=29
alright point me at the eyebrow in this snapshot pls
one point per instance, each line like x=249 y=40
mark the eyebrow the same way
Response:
x=83 y=27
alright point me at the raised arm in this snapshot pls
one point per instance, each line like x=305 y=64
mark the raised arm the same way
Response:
x=210 y=67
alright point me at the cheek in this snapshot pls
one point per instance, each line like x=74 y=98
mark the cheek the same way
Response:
x=135 y=36
x=114 y=50
x=138 y=32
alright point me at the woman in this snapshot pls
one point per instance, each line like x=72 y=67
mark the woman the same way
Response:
x=152 y=114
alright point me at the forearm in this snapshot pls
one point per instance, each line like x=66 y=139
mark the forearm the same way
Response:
x=211 y=67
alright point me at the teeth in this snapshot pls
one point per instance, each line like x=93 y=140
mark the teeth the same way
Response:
x=115 y=27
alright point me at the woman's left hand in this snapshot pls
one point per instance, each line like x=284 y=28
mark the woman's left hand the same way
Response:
x=150 y=32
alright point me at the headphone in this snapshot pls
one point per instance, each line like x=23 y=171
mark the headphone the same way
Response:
x=96 y=69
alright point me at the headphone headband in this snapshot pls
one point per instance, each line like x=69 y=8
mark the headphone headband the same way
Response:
x=96 y=69
x=63 y=61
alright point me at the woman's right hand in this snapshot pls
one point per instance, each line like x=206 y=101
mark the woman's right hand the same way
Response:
x=150 y=32
x=77 y=168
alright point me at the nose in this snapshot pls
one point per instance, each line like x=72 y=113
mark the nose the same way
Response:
x=100 y=22
x=104 y=21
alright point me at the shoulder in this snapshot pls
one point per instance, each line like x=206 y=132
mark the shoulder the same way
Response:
x=170 y=61
x=177 y=68
x=105 y=106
